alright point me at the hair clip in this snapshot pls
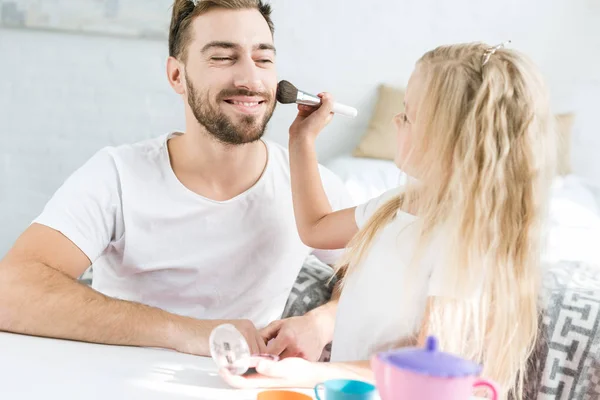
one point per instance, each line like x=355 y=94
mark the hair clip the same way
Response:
x=195 y=2
x=491 y=51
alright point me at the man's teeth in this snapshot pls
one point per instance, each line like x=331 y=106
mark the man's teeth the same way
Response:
x=246 y=104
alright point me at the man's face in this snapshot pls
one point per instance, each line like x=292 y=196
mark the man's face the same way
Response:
x=230 y=74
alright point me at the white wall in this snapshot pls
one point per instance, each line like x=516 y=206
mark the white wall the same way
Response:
x=64 y=96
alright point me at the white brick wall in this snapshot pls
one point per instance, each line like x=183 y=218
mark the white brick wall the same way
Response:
x=62 y=96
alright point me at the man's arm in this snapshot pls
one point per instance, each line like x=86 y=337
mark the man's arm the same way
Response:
x=39 y=296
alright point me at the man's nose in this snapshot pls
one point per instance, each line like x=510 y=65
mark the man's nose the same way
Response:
x=248 y=76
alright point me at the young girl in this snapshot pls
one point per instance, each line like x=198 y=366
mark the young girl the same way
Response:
x=456 y=252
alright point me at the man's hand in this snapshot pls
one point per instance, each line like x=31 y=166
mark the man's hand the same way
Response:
x=192 y=337
x=253 y=337
x=295 y=337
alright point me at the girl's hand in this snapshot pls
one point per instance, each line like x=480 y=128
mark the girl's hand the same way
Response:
x=288 y=373
x=311 y=120
x=303 y=337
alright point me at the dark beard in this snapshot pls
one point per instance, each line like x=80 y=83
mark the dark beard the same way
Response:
x=249 y=129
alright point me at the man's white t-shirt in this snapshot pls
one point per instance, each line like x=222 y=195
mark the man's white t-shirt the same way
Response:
x=153 y=241
x=383 y=301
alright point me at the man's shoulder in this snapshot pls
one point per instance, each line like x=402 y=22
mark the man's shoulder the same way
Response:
x=131 y=154
x=112 y=163
x=140 y=148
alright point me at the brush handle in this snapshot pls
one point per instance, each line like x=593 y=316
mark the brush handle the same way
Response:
x=338 y=108
x=345 y=110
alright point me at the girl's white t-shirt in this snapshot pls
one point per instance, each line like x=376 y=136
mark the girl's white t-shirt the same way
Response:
x=153 y=241
x=378 y=307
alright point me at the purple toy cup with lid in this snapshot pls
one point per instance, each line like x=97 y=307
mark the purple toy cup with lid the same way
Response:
x=427 y=374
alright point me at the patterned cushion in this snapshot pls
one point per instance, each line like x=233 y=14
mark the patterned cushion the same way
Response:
x=566 y=362
x=86 y=277
x=311 y=289
x=570 y=354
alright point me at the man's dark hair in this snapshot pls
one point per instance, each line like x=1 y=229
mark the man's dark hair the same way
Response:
x=184 y=12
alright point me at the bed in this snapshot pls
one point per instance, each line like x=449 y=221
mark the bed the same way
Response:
x=574 y=218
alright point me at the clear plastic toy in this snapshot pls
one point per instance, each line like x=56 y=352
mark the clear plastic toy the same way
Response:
x=229 y=350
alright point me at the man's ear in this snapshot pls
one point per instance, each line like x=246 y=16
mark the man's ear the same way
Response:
x=175 y=75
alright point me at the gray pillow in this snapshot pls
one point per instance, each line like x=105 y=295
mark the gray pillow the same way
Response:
x=566 y=362
x=570 y=352
x=86 y=277
x=311 y=289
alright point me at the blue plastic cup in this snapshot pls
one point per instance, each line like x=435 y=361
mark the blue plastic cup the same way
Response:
x=344 y=389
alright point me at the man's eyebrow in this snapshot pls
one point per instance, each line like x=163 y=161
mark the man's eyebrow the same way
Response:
x=219 y=44
x=265 y=46
x=231 y=45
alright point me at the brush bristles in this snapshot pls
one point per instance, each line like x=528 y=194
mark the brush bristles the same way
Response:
x=286 y=92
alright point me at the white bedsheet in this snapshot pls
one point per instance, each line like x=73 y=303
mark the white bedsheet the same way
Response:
x=573 y=226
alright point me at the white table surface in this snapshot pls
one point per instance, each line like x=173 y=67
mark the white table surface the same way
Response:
x=39 y=368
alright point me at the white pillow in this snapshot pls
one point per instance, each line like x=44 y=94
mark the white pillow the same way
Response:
x=366 y=178
x=574 y=222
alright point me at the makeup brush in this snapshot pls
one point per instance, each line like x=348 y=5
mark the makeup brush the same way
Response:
x=288 y=94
